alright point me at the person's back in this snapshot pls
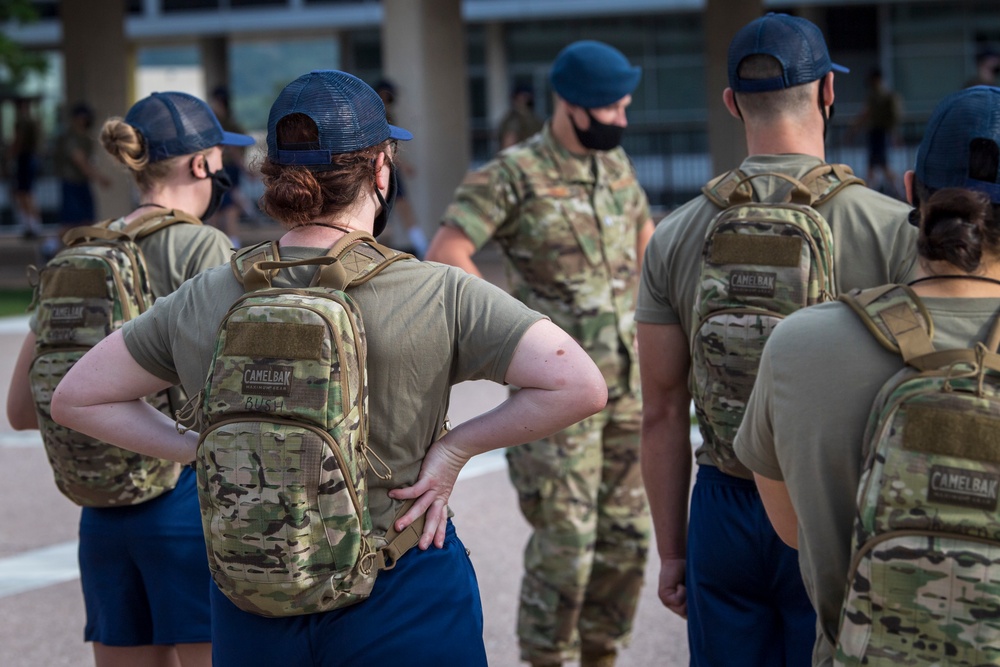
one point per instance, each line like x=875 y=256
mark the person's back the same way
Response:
x=169 y=143
x=426 y=327
x=806 y=422
x=781 y=87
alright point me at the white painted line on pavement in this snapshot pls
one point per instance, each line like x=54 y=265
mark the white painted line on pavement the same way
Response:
x=17 y=439
x=13 y=325
x=38 y=568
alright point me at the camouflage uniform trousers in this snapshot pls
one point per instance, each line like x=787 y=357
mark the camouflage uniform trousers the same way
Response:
x=581 y=490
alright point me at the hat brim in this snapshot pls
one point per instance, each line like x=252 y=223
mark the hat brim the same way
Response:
x=839 y=68
x=399 y=133
x=234 y=139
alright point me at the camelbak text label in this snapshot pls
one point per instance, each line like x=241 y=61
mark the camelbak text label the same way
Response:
x=965 y=488
x=66 y=316
x=751 y=283
x=267 y=380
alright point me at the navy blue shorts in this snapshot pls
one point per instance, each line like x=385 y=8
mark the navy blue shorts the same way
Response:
x=425 y=612
x=144 y=571
x=746 y=602
x=77 y=204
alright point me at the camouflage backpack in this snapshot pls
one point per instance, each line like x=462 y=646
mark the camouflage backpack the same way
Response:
x=89 y=289
x=761 y=261
x=283 y=452
x=925 y=569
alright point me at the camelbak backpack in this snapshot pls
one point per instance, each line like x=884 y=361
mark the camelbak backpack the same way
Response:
x=96 y=283
x=283 y=452
x=924 y=580
x=761 y=261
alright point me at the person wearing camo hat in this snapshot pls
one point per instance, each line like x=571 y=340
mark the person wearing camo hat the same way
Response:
x=803 y=437
x=573 y=222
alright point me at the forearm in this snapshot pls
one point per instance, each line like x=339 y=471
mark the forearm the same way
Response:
x=527 y=415
x=666 y=471
x=133 y=425
x=102 y=397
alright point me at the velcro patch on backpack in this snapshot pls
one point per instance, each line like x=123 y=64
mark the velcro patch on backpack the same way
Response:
x=945 y=432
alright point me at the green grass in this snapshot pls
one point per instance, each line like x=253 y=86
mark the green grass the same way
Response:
x=14 y=301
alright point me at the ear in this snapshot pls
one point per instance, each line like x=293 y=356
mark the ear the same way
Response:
x=908 y=184
x=199 y=166
x=381 y=175
x=729 y=99
x=827 y=84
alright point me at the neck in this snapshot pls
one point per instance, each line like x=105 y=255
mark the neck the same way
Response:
x=786 y=136
x=958 y=285
x=168 y=197
x=321 y=233
x=562 y=130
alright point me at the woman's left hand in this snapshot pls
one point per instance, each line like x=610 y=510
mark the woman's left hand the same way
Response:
x=431 y=492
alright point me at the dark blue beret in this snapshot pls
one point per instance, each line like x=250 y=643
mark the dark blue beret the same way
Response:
x=592 y=74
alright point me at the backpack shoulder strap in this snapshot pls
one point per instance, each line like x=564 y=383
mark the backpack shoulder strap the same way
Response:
x=246 y=257
x=363 y=257
x=719 y=189
x=98 y=231
x=827 y=180
x=154 y=221
x=896 y=316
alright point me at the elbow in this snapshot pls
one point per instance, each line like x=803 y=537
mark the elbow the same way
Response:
x=591 y=395
x=22 y=419
x=61 y=408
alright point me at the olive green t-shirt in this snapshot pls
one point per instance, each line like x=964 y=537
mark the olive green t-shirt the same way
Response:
x=182 y=251
x=428 y=326
x=805 y=424
x=873 y=245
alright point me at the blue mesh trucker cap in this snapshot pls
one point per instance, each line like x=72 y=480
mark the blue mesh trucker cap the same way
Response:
x=960 y=121
x=592 y=74
x=348 y=113
x=175 y=124
x=794 y=42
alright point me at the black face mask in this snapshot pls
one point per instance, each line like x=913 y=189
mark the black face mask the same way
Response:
x=599 y=136
x=221 y=184
x=382 y=217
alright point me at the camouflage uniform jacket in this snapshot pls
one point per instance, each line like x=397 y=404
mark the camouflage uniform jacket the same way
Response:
x=568 y=226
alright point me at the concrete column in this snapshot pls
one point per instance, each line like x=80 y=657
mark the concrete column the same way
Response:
x=214 y=62
x=723 y=19
x=96 y=58
x=423 y=52
x=497 y=76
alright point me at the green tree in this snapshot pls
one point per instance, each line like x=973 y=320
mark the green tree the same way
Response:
x=16 y=61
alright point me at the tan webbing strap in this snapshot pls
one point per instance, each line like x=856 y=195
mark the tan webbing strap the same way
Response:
x=91 y=232
x=363 y=257
x=154 y=221
x=331 y=274
x=399 y=543
x=798 y=194
x=993 y=340
x=244 y=257
x=721 y=187
x=906 y=326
